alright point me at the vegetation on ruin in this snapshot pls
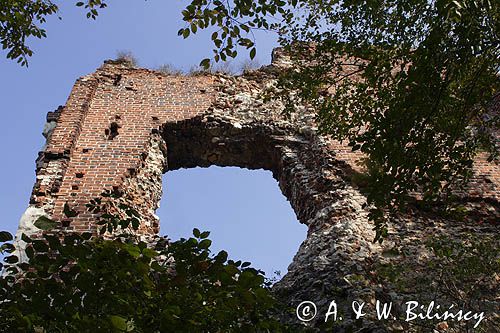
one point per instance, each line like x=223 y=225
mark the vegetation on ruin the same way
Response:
x=83 y=283
x=463 y=271
x=407 y=82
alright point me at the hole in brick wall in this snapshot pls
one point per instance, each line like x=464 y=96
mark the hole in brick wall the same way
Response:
x=112 y=131
x=155 y=118
x=117 y=79
x=79 y=175
x=118 y=117
x=86 y=150
x=74 y=187
x=245 y=211
x=116 y=191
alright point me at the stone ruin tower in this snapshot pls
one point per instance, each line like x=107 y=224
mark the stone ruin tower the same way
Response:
x=123 y=127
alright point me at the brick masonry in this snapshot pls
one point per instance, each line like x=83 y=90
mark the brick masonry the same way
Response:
x=123 y=127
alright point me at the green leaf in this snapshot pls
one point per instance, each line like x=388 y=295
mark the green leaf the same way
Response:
x=30 y=252
x=222 y=256
x=11 y=259
x=253 y=52
x=7 y=248
x=118 y=322
x=133 y=250
x=68 y=211
x=149 y=253
x=44 y=223
x=40 y=246
x=205 y=63
x=86 y=235
x=205 y=244
x=231 y=269
x=5 y=236
x=25 y=238
x=54 y=241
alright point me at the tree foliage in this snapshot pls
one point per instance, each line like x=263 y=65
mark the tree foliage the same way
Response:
x=85 y=284
x=22 y=19
x=74 y=282
x=407 y=82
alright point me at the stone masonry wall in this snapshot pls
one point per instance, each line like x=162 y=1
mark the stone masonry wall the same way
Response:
x=122 y=127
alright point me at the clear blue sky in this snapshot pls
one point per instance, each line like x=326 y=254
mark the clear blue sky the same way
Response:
x=245 y=210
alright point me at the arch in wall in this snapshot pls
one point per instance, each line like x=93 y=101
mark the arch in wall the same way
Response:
x=309 y=175
x=308 y=172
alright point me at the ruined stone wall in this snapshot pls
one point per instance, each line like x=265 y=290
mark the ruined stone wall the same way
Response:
x=122 y=127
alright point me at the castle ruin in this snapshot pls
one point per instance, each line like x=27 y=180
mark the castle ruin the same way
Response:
x=123 y=127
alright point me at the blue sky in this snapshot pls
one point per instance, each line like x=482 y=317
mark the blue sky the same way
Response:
x=245 y=210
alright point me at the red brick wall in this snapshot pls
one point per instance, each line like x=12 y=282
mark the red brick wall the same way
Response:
x=139 y=101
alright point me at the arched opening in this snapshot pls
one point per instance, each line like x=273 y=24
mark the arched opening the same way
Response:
x=244 y=210
x=308 y=174
x=248 y=204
